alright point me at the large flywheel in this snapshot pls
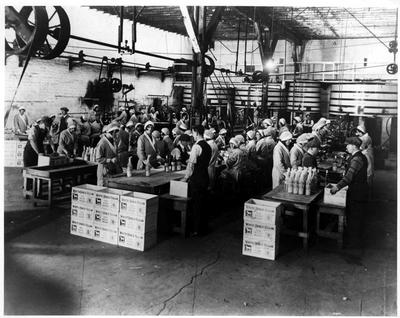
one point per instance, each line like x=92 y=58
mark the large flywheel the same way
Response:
x=47 y=28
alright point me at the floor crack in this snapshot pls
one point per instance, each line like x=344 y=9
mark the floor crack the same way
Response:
x=81 y=296
x=189 y=283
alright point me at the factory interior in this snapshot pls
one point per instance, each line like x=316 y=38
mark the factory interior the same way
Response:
x=200 y=160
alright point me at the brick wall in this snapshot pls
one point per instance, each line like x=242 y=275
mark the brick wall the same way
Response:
x=49 y=85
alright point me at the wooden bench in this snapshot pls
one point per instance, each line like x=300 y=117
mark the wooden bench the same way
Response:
x=327 y=231
x=170 y=202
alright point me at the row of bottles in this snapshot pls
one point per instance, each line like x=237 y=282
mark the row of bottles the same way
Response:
x=170 y=165
x=301 y=180
x=89 y=154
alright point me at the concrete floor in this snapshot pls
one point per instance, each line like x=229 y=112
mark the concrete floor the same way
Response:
x=49 y=271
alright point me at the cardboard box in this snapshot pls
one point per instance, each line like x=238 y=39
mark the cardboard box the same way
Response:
x=81 y=213
x=127 y=222
x=260 y=249
x=106 y=235
x=14 y=153
x=108 y=199
x=261 y=231
x=85 y=194
x=81 y=229
x=140 y=242
x=139 y=205
x=105 y=218
x=339 y=198
x=178 y=188
x=52 y=160
x=262 y=211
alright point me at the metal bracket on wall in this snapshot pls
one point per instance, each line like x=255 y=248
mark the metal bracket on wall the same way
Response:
x=76 y=61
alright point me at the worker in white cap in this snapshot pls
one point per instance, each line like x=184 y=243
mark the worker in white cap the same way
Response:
x=367 y=150
x=122 y=117
x=267 y=122
x=242 y=143
x=282 y=126
x=21 y=121
x=122 y=143
x=35 y=145
x=310 y=157
x=183 y=122
x=281 y=159
x=106 y=154
x=297 y=151
x=84 y=130
x=297 y=127
x=165 y=136
x=161 y=146
x=96 y=129
x=221 y=139
x=92 y=113
x=146 y=147
x=264 y=151
x=251 y=145
x=235 y=164
x=176 y=132
x=68 y=142
x=308 y=123
x=209 y=138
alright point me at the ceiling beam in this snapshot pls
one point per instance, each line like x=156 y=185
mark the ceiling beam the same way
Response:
x=326 y=23
x=213 y=24
x=190 y=28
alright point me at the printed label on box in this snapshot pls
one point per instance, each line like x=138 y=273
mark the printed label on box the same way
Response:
x=82 y=213
x=109 y=199
x=259 y=248
x=105 y=218
x=105 y=235
x=85 y=194
x=129 y=223
x=137 y=241
x=81 y=229
x=260 y=231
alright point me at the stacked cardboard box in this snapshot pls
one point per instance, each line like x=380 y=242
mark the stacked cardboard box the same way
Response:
x=114 y=216
x=106 y=212
x=138 y=221
x=261 y=226
x=82 y=209
x=14 y=153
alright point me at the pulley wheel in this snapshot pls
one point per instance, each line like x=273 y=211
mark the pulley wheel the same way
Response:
x=392 y=68
x=58 y=33
x=257 y=77
x=116 y=85
x=22 y=32
x=210 y=67
x=393 y=44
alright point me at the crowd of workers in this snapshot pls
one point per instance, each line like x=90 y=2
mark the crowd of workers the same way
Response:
x=262 y=153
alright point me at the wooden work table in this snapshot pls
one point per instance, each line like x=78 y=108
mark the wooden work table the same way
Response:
x=156 y=183
x=49 y=183
x=292 y=203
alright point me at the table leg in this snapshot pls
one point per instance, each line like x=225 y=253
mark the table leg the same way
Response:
x=305 y=228
x=50 y=191
x=340 y=230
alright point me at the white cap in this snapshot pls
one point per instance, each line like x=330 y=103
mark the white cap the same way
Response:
x=282 y=121
x=267 y=122
x=297 y=118
x=111 y=127
x=285 y=136
x=183 y=127
x=208 y=134
x=234 y=141
x=129 y=124
x=148 y=123
x=138 y=124
x=361 y=129
x=21 y=107
x=165 y=131
x=222 y=131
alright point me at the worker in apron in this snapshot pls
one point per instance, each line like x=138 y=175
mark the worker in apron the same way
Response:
x=106 y=154
x=146 y=147
x=68 y=142
x=297 y=151
x=281 y=159
x=36 y=136
x=21 y=121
